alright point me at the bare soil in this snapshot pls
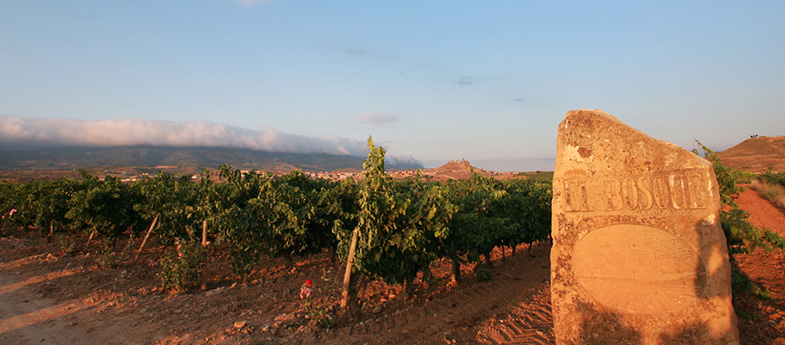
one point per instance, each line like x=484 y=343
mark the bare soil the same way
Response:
x=52 y=298
x=759 y=154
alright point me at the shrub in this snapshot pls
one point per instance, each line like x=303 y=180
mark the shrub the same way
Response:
x=112 y=259
x=182 y=271
x=774 y=193
x=323 y=317
x=773 y=177
x=67 y=243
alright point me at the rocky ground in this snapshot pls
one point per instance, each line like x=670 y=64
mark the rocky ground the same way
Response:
x=51 y=298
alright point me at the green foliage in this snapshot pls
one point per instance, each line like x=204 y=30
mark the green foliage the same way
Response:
x=537 y=175
x=399 y=223
x=8 y=197
x=49 y=201
x=297 y=232
x=493 y=213
x=323 y=317
x=175 y=202
x=727 y=177
x=478 y=225
x=481 y=273
x=320 y=316
x=38 y=203
x=527 y=210
x=339 y=208
x=67 y=243
x=741 y=282
x=744 y=237
x=773 y=177
x=182 y=271
x=111 y=258
x=104 y=206
x=403 y=225
x=257 y=214
x=243 y=214
x=9 y=200
x=14 y=199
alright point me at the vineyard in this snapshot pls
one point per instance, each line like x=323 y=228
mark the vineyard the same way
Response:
x=400 y=227
x=256 y=258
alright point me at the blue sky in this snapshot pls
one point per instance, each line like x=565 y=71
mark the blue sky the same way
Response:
x=487 y=81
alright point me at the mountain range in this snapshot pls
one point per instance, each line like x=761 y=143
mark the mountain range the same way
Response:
x=182 y=159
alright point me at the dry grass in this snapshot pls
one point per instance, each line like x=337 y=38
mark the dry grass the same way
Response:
x=774 y=193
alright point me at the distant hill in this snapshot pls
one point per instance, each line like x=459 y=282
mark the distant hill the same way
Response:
x=180 y=159
x=453 y=170
x=457 y=170
x=756 y=154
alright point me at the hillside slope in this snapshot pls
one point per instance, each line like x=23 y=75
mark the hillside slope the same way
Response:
x=756 y=154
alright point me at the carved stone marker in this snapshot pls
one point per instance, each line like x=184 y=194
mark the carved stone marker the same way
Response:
x=639 y=256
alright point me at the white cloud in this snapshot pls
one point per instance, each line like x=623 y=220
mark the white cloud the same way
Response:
x=33 y=133
x=37 y=133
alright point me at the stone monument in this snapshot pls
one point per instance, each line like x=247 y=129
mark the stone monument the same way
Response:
x=639 y=256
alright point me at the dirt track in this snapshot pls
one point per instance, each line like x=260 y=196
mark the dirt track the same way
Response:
x=53 y=299
x=27 y=317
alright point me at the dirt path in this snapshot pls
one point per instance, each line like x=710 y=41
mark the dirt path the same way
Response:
x=762 y=321
x=28 y=317
x=464 y=314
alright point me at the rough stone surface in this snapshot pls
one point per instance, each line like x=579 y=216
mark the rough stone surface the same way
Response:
x=639 y=256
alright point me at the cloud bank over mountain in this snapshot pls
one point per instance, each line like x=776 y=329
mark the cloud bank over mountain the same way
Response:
x=34 y=133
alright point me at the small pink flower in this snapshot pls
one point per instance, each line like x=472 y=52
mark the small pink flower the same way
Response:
x=305 y=293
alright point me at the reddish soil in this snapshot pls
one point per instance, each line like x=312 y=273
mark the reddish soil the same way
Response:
x=762 y=321
x=756 y=154
x=51 y=298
